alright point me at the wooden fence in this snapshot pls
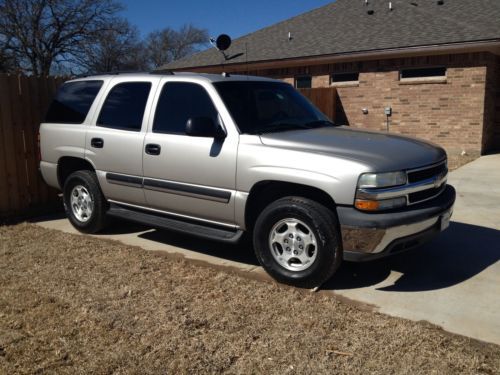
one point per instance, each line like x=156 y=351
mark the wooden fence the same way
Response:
x=23 y=103
x=325 y=98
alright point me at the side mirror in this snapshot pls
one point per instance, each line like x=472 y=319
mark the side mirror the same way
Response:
x=204 y=127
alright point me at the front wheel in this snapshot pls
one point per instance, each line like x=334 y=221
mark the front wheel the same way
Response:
x=84 y=202
x=297 y=242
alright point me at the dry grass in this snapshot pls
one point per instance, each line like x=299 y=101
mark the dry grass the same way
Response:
x=73 y=304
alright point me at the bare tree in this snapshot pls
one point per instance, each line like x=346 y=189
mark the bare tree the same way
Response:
x=7 y=59
x=43 y=32
x=168 y=45
x=114 y=50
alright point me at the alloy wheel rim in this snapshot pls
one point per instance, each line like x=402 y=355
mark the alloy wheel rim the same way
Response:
x=82 y=204
x=293 y=244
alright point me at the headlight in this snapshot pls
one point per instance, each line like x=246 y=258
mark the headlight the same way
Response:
x=380 y=180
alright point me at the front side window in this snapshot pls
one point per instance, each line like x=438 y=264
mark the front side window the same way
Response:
x=264 y=107
x=124 y=107
x=180 y=101
x=72 y=102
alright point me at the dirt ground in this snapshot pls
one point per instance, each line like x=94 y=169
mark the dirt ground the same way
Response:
x=73 y=304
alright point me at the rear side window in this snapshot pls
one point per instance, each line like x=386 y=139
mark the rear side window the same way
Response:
x=72 y=102
x=124 y=107
x=180 y=101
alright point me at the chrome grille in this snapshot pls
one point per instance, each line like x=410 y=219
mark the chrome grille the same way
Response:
x=424 y=174
x=436 y=174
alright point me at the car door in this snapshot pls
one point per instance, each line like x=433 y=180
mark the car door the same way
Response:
x=114 y=142
x=185 y=175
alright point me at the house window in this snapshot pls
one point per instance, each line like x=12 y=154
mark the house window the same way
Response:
x=416 y=73
x=304 y=82
x=345 y=78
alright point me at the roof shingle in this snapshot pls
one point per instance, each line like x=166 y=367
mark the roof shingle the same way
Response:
x=346 y=27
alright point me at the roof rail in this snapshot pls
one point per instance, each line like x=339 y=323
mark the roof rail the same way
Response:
x=164 y=71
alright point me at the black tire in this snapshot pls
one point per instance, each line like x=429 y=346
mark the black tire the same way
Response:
x=324 y=225
x=97 y=219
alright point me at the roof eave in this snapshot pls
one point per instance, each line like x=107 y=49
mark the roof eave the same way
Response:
x=491 y=45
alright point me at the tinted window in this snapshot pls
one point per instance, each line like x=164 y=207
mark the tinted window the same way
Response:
x=423 y=72
x=345 y=77
x=303 y=82
x=72 y=102
x=260 y=107
x=178 y=102
x=124 y=106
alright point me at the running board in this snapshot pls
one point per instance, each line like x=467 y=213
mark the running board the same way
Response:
x=176 y=225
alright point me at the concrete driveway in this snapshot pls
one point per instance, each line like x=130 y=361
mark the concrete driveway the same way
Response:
x=453 y=282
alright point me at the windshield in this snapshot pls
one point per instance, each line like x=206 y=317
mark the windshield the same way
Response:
x=266 y=107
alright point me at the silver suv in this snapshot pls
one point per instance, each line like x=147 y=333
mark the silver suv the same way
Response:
x=217 y=156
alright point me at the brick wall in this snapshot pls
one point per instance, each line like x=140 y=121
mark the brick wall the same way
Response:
x=452 y=112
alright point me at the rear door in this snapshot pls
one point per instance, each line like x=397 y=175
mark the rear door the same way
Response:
x=114 y=142
x=191 y=176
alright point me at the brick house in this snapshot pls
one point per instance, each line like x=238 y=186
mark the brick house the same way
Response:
x=435 y=63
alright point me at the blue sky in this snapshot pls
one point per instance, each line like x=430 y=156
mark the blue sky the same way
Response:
x=232 y=17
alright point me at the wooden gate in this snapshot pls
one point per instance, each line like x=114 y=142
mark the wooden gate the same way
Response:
x=23 y=103
x=325 y=98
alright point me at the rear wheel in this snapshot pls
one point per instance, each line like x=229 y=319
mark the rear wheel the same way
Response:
x=84 y=202
x=297 y=241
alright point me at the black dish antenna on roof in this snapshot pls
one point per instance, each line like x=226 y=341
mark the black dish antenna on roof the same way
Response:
x=222 y=43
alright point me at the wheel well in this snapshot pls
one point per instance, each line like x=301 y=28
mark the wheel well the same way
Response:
x=68 y=165
x=264 y=193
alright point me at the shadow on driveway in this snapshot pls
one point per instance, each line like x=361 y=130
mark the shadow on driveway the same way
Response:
x=241 y=253
x=456 y=255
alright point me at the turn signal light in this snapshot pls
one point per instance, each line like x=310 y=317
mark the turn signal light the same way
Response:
x=367 y=205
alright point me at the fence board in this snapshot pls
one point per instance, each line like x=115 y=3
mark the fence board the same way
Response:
x=8 y=145
x=30 y=135
x=17 y=135
x=4 y=192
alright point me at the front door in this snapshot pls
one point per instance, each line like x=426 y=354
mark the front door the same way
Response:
x=114 y=143
x=184 y=175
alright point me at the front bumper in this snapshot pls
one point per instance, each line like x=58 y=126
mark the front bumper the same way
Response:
x=368 y=236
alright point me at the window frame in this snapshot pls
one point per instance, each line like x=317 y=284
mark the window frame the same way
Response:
x=154 y=111
x=147 y=104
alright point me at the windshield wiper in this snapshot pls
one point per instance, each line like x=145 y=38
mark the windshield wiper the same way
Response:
x=319 y=124
x=282 y=127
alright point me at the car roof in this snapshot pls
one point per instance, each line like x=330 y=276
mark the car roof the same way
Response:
x=212 y=78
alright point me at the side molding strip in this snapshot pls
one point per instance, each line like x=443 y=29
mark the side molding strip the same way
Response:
x=217 y=195
x=120 y=179
x=200 y=192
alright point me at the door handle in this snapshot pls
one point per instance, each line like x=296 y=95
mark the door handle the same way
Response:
x=97 y=142
x=153 y=149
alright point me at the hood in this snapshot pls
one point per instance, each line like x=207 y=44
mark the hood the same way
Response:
x=382 y=151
